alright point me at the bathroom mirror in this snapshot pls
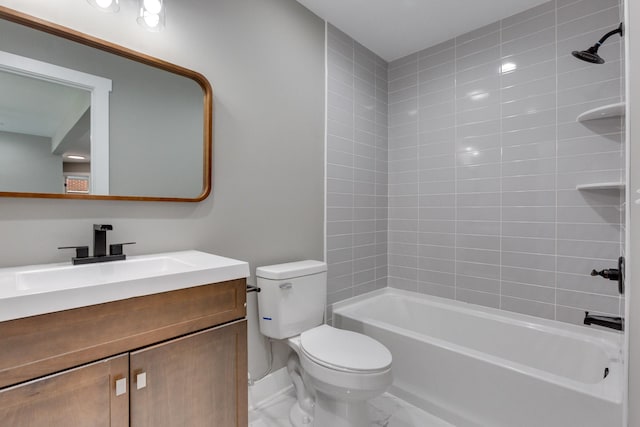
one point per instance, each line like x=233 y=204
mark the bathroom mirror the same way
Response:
x=87 y=119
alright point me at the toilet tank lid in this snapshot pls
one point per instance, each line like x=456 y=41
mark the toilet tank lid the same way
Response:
x=290 y=270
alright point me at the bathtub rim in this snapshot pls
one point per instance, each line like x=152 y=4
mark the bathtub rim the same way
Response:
x=609 y=389
x=609 y=339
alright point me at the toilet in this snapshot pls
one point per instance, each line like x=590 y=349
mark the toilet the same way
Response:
x=334 y=372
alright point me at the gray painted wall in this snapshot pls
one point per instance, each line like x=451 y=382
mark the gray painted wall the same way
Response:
x=69 y=167
x=27 y=165
x=265 y=61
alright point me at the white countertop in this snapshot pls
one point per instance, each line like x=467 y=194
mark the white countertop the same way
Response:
x=38 y=289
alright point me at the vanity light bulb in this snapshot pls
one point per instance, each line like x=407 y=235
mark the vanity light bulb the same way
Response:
x=151 y=14
x=104 y=3
x=151 y=19
x=152 y=6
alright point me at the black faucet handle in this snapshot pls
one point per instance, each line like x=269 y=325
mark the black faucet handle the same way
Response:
x=102 y=227
x=116 y=248
x=81 y=251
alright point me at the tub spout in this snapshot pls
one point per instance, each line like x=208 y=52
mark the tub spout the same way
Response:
x=616 y=323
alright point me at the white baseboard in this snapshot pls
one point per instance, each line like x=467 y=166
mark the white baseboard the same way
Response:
x=273 y=385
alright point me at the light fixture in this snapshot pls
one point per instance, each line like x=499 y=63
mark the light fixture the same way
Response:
x=105 y=5
x=151 y=14
x=75 y=157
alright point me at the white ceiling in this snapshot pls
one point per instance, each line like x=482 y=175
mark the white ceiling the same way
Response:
x=395 y=28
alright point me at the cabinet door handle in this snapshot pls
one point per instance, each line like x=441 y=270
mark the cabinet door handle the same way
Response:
x=121 y=386
x=141 y=380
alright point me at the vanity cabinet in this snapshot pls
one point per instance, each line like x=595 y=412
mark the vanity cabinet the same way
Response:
x=190 y=381
x=180 y=355
x=83 y=396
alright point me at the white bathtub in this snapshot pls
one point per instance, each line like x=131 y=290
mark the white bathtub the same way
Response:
x=476 y=366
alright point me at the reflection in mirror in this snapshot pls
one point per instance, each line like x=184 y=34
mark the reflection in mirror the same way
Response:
x=155 y=143
x=42 y=125
x=60 y=107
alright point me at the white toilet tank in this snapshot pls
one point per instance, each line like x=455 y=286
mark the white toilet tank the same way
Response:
x=292 y=297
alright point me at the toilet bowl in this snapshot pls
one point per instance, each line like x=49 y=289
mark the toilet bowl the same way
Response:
x=343 y=369
x=334 y=371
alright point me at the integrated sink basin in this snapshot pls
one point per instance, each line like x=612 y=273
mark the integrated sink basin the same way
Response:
x=92 y=274
x=39 y=289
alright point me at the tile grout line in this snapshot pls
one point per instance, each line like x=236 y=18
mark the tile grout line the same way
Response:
x=623 y=166
x=353 y=143
x=555 y=293
x=326 y=159
x=501 y=165
x=455 y=170
x=417 y=69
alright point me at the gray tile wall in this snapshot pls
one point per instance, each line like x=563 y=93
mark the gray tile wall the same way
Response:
x=356 y=168
x=470 y=162
x=484 y=157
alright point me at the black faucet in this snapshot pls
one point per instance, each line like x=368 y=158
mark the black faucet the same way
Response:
x=99 y=248
x=616 y=323
x=100 y=239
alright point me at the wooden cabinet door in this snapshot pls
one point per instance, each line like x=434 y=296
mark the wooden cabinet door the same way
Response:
x=199 y=380
x=81 y=397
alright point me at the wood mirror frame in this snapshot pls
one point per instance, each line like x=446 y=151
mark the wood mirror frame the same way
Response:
x=94 y=42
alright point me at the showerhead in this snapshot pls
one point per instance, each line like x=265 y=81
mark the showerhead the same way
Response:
x=591 y=54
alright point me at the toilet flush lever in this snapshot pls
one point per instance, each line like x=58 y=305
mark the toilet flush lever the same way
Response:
x=287 y=285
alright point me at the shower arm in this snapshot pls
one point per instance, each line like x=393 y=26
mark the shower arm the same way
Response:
x=609 y=34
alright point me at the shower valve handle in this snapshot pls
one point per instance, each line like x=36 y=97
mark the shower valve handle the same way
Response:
x=607 y=273
x=614 y=274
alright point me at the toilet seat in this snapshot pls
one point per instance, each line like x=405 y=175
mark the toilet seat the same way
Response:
x=344 y=351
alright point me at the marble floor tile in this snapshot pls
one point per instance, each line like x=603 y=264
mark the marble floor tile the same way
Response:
x=385 y=411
